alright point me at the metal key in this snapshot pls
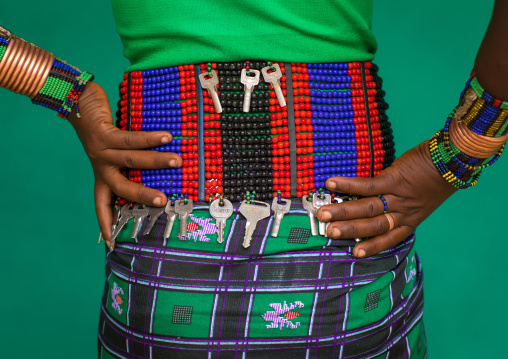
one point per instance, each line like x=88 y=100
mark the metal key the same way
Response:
x=249 y=82
x=155 y=213
x=116 y=218
x=183 y=208
x=319 y=200
x=140 y=212
x=210 y=83
x=253 y=213
x=171 y=217
x=221 y=213
x=125 y=216
x=273 y=77
x=280 y=208
x=311 y=212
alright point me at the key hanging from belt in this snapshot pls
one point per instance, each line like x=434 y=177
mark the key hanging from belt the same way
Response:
x=183 y=208
x=272 y=74
x=253 y=213
x=125 y=215
x=209 y=80
x=221 y=209
x=319 y=200
x=249 y=78
x=170 y=218
x=280 y=207
x=311 y=212
x=140 y=212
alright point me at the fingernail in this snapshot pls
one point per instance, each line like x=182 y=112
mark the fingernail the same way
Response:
x=165 y=139
x=331 y=185
x=325 y=216
x=173 y=163
x=336 y=233
x=361 y=253
x=158 y=202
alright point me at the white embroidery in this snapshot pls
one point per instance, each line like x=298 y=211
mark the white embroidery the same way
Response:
x=412 y=272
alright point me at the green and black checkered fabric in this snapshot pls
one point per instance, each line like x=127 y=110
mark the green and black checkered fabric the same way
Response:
x=293 y=296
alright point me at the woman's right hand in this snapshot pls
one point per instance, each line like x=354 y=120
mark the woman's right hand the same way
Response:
x=110 y=149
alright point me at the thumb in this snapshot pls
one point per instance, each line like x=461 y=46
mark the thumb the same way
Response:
x=103 y=208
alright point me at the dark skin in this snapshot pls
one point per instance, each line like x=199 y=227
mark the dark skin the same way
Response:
x=110 y=149
x=412 y=186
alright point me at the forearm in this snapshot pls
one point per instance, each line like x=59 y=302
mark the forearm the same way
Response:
x=491 y=72
x=491 y=63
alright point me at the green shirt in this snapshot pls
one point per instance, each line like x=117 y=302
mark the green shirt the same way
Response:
x=159 y=33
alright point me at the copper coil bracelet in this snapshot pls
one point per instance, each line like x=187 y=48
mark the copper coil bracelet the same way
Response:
x=31 y=71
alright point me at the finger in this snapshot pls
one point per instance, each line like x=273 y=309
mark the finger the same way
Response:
x=360 y=228
x=102 y=195
x=360 y=186
x=374 y=245
x=135 y=192
x=142 y=159
x=136 y=140
x=367 y=207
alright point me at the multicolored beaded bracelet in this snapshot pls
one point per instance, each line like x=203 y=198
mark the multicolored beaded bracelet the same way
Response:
x=3 y=45
x=62 y=88
x=481 y=112
x=385 y=204
x=456 y=167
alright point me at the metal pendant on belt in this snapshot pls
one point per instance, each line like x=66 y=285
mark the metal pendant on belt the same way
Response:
x=248 y=81
x=221 y=209
x=210 y=80
x=280 y=207
x=272 y=74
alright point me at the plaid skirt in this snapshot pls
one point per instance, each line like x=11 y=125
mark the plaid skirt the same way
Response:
x=295 y=295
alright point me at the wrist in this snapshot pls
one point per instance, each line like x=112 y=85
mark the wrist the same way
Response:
x=93 y=94
x=28 y=70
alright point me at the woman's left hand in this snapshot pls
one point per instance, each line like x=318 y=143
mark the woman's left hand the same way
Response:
x=413 y=189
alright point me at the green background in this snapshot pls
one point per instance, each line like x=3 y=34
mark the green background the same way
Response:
x=52 y=269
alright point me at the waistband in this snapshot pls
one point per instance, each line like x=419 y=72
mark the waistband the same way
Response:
x=334 y=124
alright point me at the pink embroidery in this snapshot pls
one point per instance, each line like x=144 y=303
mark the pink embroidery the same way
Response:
x=117 y=300
x=287 y=313
x=199 y=229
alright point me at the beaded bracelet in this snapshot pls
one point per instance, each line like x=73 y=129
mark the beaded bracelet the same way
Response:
x=62 y=88
x=454 y=165
x=34 y=72
x=3 y=46
x=481 y=112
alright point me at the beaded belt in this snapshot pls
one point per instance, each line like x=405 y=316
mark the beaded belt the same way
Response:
x=334 y=124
